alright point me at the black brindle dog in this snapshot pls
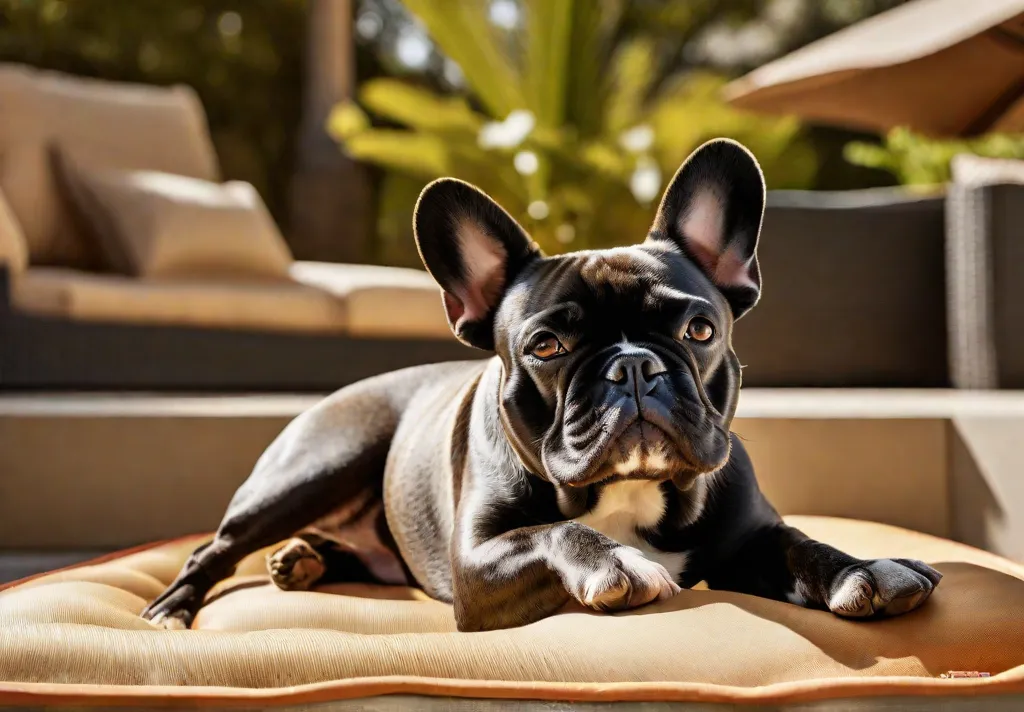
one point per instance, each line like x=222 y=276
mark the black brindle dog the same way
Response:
x=590 y=459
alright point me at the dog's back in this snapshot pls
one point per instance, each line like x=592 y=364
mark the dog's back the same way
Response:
x=420 y=475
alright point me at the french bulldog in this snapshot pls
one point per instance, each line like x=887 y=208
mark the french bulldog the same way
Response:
x=589 y=460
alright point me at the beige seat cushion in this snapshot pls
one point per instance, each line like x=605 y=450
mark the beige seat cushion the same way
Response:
x=13 y=250
x=122 y=125
x=160 y=225
x=255 y=644
x=361 y=300
x=282 y=306
x=381 y=301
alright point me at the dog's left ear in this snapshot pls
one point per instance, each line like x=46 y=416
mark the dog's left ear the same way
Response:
x=712 y=210
x=473 y=249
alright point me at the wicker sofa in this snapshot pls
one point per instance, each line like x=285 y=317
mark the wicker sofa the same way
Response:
x=854 y=292
x=67 y=321
x=985 y=263
x=834 y=312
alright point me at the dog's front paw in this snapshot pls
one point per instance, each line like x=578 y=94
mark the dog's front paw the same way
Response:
x=625 y=579
x=883 y=587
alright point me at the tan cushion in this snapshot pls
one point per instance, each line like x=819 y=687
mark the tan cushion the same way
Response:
x=159 y=225
x=276 y=306
x=13 y=251
x=381 y=301
x=969 y=169
x=122 y=125
x=254 y=643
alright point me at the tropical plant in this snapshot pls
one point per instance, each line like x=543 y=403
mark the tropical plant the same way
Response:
x=918 y=160
x=567 y=122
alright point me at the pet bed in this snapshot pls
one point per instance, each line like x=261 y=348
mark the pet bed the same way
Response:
x=73 y=638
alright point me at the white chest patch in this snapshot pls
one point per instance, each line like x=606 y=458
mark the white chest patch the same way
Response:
x=623 y=508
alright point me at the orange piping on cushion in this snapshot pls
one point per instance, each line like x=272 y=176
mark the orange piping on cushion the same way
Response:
x=37 y=694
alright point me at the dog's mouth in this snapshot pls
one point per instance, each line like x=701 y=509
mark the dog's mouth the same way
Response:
x=608 y=433
x=643 y=449
x=646 y=451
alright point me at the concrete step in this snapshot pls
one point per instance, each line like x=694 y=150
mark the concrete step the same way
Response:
x=16 y=565
x=97 y=472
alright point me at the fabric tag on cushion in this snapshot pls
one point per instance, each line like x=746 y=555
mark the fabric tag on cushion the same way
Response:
x=159 y=225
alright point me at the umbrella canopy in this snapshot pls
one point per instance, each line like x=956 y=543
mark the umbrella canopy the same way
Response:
x=941 y=67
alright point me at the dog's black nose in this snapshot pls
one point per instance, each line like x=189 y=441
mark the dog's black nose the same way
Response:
x=635 y=367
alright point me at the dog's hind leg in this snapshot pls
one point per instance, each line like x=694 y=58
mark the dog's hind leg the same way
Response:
x=297 y=565
x=330 y=455
x=352 y=544
x=307 y=560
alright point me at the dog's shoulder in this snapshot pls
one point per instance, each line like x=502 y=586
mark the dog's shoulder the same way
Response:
x=433 y=400
x=439 y=385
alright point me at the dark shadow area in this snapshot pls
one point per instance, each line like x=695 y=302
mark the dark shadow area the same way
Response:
x=974 y=505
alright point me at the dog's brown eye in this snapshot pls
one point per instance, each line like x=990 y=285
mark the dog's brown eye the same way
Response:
x=700 y=330
x=548 y=347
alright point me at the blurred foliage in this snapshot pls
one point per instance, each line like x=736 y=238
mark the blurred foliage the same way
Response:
x=243 y=57
x=568 y=121
x=918 y=160
x=612 y=64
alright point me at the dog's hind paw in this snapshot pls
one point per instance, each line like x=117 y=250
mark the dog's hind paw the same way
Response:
x=174 y=609
x=178 y=620
x=296 y=566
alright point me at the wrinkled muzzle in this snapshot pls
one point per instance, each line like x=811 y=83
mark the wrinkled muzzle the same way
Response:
x=632 y=413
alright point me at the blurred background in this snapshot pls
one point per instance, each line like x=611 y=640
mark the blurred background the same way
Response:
x=205 y=225
x=580 y=110
x=573 y=114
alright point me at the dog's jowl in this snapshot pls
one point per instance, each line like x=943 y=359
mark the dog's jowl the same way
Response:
x=590 y=459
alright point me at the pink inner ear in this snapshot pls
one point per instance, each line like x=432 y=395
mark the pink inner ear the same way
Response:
x=702 y=228
x=483 y=259
x=454 y=307
x=733 y=271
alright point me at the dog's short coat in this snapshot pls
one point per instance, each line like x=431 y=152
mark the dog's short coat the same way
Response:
x=590 y=459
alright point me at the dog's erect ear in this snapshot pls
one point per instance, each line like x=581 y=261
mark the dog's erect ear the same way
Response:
x=473 y=249
x=712 y=209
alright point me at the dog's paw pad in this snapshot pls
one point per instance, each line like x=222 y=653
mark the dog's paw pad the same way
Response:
x=296 y=566
x=882 y=588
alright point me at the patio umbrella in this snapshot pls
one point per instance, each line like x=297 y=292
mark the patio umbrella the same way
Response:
x=940 y=67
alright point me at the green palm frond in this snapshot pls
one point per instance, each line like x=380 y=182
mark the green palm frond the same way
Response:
x=691 y=111
x=633 y=70
x=418 y=108
x=418 y=154
x=346 y=120
x=549 y=33
x=595 y=27
x=583 y=75
x=464 y=34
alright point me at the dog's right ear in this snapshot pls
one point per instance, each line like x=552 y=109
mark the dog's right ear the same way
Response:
x=712 y=210
x=473 y=249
